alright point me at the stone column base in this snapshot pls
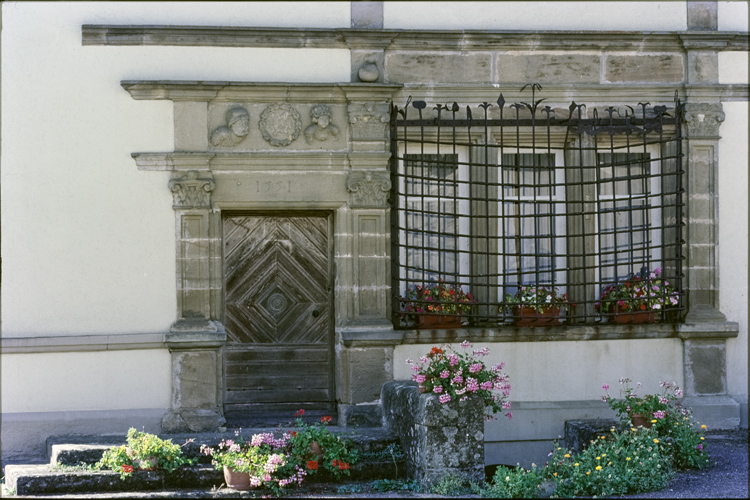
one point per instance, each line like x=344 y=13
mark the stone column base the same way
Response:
x=192 y=420
x=717 y=412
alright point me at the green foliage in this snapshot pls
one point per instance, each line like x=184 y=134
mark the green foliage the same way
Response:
x=514 y=483
x=392 y=452
x=453 y=486
x=538 y=298
x=79 y=467
x=349 y=488
x=383 y=485
x=143 y=451
x=338 y=452
x=632 y=461
x=688 y=444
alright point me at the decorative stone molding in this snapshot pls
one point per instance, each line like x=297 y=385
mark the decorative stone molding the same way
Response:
x=703 y=120
x=369 y=121
x=321 y=128
x=192 y=191
x=236 y=129
x=280 y=124
x=368 y=189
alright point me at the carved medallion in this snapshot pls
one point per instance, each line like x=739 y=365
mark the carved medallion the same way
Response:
x=368 y=189
x=280 y=124
x=192 y=190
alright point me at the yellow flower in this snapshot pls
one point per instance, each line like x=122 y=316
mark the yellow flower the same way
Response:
x=604 y=454
x=555 y=474
x=576 y=464
x=588 y=472
x=602 y=437
x=567 y=455
x=632 y=429
x=656 y=440
x=703 y=426
x=598 y=458
x=598 y=467
x=653 y=421
x=701 y=438
x=627 y=458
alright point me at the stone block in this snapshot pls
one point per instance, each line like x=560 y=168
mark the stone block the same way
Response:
x=717 y=412
x=438 y=439
x=703 y=66
x=367 y=370
x=370 y=415
x=195 y=378
x=438 y=68
x=702 y=16
x=190 y=126
x=552 y=68
x=644 y=68
x=579 y=433
x=705 y=367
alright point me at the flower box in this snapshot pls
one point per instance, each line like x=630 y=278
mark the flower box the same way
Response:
x=529 y=316
x=432 y=321
x=633 y=317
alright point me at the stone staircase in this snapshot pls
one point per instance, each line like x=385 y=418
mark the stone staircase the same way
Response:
x=66 y=472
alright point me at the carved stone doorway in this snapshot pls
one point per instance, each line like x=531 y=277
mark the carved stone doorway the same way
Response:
x=279 y=354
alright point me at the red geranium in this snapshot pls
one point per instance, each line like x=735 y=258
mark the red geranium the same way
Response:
x=127 y=468
x=312 y=465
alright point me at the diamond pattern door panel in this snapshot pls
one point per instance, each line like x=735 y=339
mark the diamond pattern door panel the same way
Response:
x=279 y=354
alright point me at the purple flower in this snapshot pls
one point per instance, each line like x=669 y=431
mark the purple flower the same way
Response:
x=700 y=447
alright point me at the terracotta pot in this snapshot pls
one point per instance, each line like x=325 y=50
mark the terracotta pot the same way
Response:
x=529 y=316
x=422 y=388
x=634 y=317
x=427 y=321
x=237 y=480
x=146 y=463
x=316 y=449
x=640 y=421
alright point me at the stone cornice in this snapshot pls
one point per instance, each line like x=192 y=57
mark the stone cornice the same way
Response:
x=259 y=92
x=79 y=343
x=348 y=38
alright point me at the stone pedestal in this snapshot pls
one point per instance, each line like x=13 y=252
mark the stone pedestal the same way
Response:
x=438 y=439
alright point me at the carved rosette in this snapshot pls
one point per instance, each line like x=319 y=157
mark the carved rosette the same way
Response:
x=369 y=121
x=703 y=120
x=192 y=190
x=280 y=124
x=368 y=189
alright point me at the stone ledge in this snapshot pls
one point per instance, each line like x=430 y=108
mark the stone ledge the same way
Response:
x=76 y=343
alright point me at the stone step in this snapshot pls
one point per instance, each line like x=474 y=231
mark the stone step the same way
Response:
x=67 y=454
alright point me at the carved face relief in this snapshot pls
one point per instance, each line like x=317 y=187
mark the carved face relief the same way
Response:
x=236 y=129
x=321 y=128
x=280 y=124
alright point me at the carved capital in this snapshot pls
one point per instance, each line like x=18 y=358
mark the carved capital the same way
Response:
x=369 y=121
x=703 y=120
x=368 y=189
x=192 y=190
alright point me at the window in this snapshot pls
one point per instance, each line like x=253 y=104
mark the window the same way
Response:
x=572 y=203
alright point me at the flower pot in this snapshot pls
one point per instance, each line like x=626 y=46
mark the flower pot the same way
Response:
x=146 y=463
x=529 y=316
x=237 y=480
x=428 y=321
x=640 y=421
x=422 y=388
x=316 y=449
x=634 y=317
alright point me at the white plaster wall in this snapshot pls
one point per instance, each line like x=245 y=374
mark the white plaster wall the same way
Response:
x=87 y=239
x=570 y=371
x=549 y=15
x=733 y=238
x=732 y=15
x=733 y=67
x=84 y=381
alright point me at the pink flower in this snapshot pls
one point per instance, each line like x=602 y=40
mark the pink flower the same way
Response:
x=445 y=374
x=457 y=379
x=453 y=360
x=420 y=378
x=678 y=393
x=475 y=367
x=605 y=387
x=465 y=344
x=472 y=384
x=659 y=414
x=700 y=447
x=437 y=389
x=509 y=415
x=506 y=405
x=445 y=398
x=486 y=386
x=498 y=367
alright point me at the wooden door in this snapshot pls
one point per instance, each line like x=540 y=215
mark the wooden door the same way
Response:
x=279 y=353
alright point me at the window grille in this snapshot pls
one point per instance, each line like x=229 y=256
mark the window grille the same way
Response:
x=490 y=199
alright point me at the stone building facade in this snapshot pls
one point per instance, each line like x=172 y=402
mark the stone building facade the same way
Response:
x=259 y=169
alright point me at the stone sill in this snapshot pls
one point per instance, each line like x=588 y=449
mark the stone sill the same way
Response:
x=401 y=39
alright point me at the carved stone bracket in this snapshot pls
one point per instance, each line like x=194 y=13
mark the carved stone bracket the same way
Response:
x=192 y=190
x=280 y=124
x=368 y=189
x=703 y=120
x=369 y=121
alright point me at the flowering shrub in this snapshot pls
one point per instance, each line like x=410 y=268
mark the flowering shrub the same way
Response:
x=456 y=375
x=262 y=458
x=538 y=298
x=669 y=419
x=338 y=453
x=436 y=299
x=143 y=451
x=638 y=294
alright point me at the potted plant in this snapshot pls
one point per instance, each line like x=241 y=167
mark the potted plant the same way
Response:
x=259 y=462
x=316 y=449
x=437 y=305
x=537 y=305
x=144 y=452
x=636 y=299
x=455 y=375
